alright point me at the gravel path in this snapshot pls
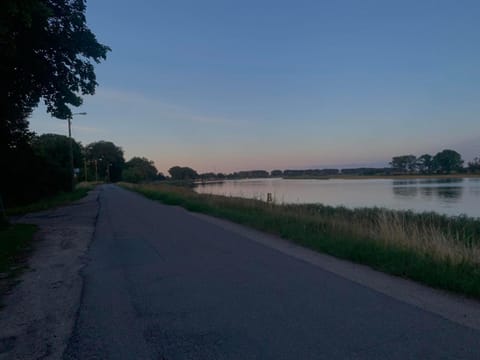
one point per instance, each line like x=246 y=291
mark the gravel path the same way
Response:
x=40 y=312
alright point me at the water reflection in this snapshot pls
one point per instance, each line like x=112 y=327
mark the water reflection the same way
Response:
x=474 y=188
x=410 y=182
x=450 y=193
x=429 y=189
x=405 y=191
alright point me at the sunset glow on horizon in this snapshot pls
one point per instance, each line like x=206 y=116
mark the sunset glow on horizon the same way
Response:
x=225 y=86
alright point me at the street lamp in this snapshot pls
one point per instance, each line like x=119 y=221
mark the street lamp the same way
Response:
x=71 y=146
x=96 y=166
x=108 y=172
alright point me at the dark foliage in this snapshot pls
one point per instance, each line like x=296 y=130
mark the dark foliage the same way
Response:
x=182 y=173
x=139 y=169
x=46 y=52
x=107 y=158
x=474 y=166
x=447 y=161
x=54 y=150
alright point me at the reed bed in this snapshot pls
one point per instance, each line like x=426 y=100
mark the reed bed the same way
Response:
x=438 y=250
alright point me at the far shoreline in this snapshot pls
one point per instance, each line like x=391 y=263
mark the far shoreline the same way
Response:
x=386 y=177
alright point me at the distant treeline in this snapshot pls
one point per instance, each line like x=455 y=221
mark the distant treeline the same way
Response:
x=444 y=162
x=39 y=166
x=288 y=173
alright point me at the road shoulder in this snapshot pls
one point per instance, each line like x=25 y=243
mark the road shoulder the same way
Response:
x=40 y=312
x=456 y=308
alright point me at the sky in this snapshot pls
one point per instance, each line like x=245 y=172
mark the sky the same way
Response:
x=234 y=85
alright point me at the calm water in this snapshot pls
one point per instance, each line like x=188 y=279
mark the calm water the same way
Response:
x=447 y=196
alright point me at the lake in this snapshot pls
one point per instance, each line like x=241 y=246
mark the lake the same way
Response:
x=452 y=196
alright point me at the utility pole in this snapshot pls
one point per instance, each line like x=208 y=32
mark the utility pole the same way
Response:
x=96 y=170
x=85 y=169
x=72 y=185
x=108 y=172
x=72 y=175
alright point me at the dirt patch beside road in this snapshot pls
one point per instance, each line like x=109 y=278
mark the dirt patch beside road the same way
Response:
x=40 y=312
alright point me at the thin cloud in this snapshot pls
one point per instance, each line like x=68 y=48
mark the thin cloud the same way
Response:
x=156 y=107
x=88 y=129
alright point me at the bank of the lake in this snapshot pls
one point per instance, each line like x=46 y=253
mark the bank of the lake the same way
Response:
x=451 y=196
x=440 y=251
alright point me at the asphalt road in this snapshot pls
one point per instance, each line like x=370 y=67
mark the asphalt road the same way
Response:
x=164 y=284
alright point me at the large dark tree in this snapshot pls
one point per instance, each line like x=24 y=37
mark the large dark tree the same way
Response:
x=404 y=163
x=46 y=52
x=107 y=158
x=182 y=173
x=53 y=149
x=447 y=161
x=139 y=169
x=425 y=163
x=56 y=147
x=474 y=166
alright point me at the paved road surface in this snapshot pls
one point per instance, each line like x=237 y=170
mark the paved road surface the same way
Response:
x=164 y=284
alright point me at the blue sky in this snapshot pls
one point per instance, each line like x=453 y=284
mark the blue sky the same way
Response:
x=229 y=85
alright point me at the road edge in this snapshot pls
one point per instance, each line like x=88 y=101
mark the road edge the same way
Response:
x=456 y=308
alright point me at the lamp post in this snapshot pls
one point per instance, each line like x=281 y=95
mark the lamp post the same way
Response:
x=108 y=172
x=96 y=166
x=71 y=146
x=96 y=170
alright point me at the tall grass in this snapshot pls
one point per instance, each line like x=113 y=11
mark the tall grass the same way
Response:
x=453 y=239
x=438 y=250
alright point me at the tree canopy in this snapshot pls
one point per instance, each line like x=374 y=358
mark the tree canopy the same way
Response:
x=405 y=163
x=474 y=166
x=55 y=148
x=109 y=159
x=182 y=173
x=447 y=161
x=41 y=169
x=139 y=169
x=54 y=151
x=425 y=163
x=47 y=51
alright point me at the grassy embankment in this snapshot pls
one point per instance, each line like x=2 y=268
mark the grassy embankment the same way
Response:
x=437 y=250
